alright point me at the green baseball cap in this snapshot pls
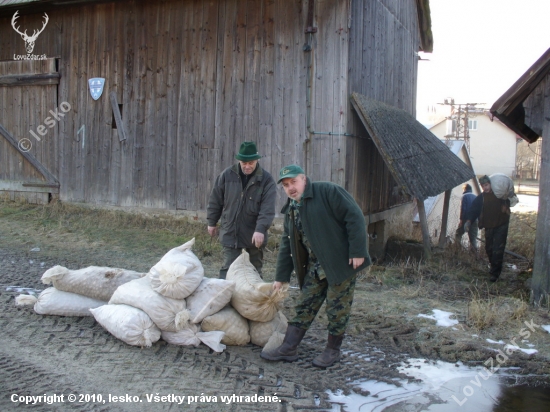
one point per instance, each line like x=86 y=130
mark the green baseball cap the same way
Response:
x=290 y=171
x=248 y=152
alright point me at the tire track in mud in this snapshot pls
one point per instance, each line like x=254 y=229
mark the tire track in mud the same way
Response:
x=76 y=355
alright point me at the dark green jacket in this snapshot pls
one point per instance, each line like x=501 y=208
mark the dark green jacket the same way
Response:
x=335 y=227
x=242 y=212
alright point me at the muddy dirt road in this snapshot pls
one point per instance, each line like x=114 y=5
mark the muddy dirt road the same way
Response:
x=46 y=355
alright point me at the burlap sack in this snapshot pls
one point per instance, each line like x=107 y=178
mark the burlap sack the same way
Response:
x=128 y=324
x=178 y=273
x=503 y=188
x=95 y=282
x=210 y=297
x=167 y=313
x=191 y=335
x=56 y=302
x=253 y=298
x=231 y=323
x=260 y=332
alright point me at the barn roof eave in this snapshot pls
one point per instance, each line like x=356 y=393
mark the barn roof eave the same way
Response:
x=509 y=107
x=420 y=163
x=425 y=26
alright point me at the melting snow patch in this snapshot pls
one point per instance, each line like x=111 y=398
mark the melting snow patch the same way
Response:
x=527 y=351
x=20 y=289
x=500 y=342
x=442 y=318
x=439 y=382
x=546 y=328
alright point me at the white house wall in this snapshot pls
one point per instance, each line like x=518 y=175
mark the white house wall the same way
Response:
x=492 y=146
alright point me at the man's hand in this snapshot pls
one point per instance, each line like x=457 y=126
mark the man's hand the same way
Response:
x=356 y=262
x=277 y=286
x=258 y=239
x=212 y=230
x=467 y=226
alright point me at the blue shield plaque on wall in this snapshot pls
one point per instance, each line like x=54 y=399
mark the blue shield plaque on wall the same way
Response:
x=96 y=87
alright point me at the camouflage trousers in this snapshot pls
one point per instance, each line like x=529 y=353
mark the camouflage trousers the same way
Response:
x=338 y=308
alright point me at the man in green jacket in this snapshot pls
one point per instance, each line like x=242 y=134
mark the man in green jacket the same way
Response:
x=243 y=197
x=325 y=243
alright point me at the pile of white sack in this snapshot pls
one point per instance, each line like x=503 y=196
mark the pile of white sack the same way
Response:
x=174 y=301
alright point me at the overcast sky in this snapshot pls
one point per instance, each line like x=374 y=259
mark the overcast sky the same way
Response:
x=481 y=47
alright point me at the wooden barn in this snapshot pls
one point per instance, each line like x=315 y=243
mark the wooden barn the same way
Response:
x=525 y=109
x=185 y=82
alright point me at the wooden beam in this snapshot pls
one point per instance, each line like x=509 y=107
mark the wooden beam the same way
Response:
x=424 y=226
x=30 y=79
x=35 y=187
x=118 y=116
x=445 y=219
x=27 y=155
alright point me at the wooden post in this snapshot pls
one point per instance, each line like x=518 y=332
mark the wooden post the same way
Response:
x=540 y=283
x=424 y=227
x=445 y=219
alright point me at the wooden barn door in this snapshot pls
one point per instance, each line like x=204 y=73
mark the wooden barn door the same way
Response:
x=29 y=129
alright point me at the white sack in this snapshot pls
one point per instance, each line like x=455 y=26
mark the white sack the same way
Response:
x=503 y=188
x=168 y=314
x=274 y=341
x=191 y=335
x=95 y=282
x=231 y=323
x=178 y=273
x=253 y=298
x=56 y=302
x=260 y=332
x=210 y=297
x=128 y=324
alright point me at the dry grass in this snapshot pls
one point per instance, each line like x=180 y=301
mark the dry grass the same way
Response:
x=111 y=228
x=521 y=234
x=485 y=310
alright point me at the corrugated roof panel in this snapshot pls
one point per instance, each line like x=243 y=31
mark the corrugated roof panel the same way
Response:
x=11 y=2
x=421 y=164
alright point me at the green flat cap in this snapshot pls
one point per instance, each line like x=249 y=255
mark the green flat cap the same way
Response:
x=290 y=171
x=248 y=152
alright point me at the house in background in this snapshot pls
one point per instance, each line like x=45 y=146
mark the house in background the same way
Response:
x=434 y=204
x=492 y=144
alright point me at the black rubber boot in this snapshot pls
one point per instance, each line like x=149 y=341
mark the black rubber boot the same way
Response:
x=288 y=350
x=331 y=354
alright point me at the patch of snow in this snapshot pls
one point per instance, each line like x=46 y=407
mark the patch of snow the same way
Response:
x=441 y=317
x=546 y=328
x=440 y=381
x=500 y=342
x=527 y=351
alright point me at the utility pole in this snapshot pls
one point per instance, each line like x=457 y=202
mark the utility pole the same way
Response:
x=460 y=116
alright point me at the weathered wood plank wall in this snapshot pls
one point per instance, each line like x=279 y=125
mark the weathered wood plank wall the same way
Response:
x=196 y=78
x=384 y=40
x=24 y=108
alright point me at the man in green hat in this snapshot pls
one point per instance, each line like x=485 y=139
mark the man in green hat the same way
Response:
x=325 y=243
x=243 y=197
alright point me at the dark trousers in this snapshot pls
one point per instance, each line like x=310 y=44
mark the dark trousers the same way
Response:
x=495 y=243
x=230 y=254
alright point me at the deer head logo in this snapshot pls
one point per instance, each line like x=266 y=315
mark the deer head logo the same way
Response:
x=29 y=40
